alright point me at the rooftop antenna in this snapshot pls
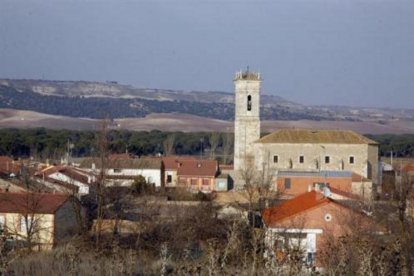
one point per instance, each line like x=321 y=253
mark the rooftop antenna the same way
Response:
x=247 y=71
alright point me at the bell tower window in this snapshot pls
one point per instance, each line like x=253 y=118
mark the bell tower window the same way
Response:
x=249 y=103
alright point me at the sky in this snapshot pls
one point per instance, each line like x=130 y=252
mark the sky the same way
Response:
x=316 y=52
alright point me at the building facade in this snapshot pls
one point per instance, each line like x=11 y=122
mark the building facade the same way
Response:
x=309 y=150
x=247 y=118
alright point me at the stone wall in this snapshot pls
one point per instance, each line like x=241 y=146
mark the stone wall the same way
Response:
x=365 y=157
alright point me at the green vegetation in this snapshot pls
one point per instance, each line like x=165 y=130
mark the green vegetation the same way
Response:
x=47 y=143
x=400 y=145
x=103 y=107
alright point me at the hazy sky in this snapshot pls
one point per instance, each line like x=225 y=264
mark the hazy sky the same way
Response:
x=311 y=51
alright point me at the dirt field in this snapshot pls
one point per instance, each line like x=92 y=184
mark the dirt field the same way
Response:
x=189 y=123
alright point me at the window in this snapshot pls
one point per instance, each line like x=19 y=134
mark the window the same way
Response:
x=249 y=103
x=206 y=182
x=275 y=158
x=287 y=183
x=117 y=170
x=301 y=159
x=351 y=160
x=327 y=159
x=2 y=223
x=194 y=182
x=310 y=258
x=169 y=178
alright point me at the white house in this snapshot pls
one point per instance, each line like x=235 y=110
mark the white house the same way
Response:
x=123 y=171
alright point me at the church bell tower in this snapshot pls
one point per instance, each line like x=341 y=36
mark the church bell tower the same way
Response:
x=247 y=118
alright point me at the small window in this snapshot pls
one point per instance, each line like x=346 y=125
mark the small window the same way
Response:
x=327 y=159
x=2 y=223
x=249 y=103
x=194 y=182
x=287 y=183
x=351 y=160
x=206 y=182
x=275 y=158
x=169 y=178
x=117 y=170
x=301 y=159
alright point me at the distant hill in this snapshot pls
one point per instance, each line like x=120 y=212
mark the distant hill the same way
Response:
x=98 y=100
x=81 y=99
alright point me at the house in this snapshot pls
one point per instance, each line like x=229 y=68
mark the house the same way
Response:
x=38 y=219
x=123 y=171
x=65 y=177
x=307 y=221
x=8 y=167
x=197 y=175
x=170 y=166
x=293 y=183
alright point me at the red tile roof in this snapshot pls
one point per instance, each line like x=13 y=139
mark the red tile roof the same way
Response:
x=294 y=207
x=31 y=203
x=68 y=171
x=173 y=162
x=198 y=168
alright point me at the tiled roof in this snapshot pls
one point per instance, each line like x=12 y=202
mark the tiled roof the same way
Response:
x=50 y=170
x=296 y=136
x=31 y=203
x=70 y=172
x=198 y=168
x=173 y=162
x=63 y=184
x=294 y=207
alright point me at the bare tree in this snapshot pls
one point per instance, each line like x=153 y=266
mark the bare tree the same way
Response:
x=228 y=142
x=214 y=141
x=30 y=224
x=169 y=144
x=100 y=184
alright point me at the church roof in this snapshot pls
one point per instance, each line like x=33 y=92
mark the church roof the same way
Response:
x=297 y=136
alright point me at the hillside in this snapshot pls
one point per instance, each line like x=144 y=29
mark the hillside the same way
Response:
x=100 y=100
x=81 y=99
x=11 y=118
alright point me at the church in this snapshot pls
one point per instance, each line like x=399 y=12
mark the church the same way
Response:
x=300 y=160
